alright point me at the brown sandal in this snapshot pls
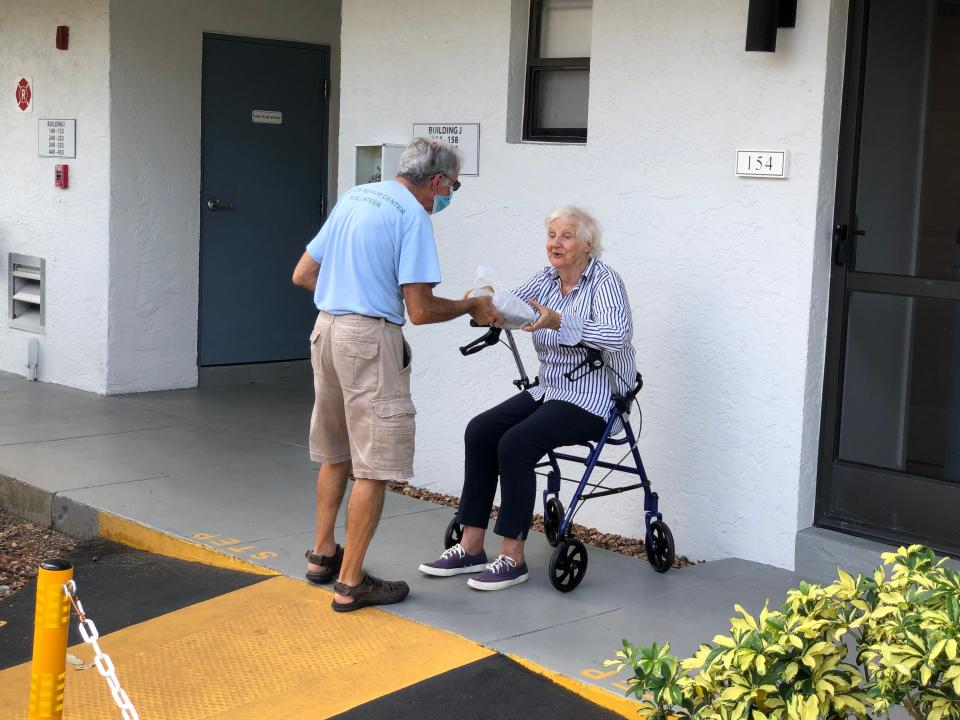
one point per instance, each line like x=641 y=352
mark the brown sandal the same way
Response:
x=331 y=566
x=370 y=591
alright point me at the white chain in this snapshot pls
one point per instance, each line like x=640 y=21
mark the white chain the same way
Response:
x=102 y=661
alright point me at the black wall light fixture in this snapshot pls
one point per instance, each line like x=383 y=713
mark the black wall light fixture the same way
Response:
x=763 y=19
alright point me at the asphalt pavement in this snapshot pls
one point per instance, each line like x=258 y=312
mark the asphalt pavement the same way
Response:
x=191 y=640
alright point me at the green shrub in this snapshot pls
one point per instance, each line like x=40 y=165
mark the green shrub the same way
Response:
x=791 y=664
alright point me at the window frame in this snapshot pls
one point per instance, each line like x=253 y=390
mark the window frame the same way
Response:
x=536 y=66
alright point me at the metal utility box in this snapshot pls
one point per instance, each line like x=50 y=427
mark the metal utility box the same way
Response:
x=377 y=162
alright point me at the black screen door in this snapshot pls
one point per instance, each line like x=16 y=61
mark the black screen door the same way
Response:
x=890 y=445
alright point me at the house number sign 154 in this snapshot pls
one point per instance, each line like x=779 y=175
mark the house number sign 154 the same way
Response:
x=763 y=163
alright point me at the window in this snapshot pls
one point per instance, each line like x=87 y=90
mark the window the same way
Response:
x=558 y=71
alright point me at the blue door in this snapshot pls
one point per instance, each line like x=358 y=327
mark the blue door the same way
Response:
x=263 y=197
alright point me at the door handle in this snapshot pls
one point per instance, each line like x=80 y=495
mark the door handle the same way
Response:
x=840 y=245
x=215 y=205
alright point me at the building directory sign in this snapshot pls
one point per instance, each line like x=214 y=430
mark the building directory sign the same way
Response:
x=57 y=138
x=465 y=136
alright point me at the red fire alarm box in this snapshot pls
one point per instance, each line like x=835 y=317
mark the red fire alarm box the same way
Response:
x=63 y=37
x=61 y=176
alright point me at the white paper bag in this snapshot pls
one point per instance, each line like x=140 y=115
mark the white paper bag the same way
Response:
x=516 y=313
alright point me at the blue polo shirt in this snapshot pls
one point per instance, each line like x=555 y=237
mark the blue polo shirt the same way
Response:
x=377 y=238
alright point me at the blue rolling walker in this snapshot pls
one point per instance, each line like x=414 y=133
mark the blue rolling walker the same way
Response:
x=568 y=564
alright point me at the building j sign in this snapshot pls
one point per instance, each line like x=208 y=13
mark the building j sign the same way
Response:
x=57 y=139
x=465 y=136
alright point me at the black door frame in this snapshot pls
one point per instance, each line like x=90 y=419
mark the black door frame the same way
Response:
x=859 y=499
x=324 y=91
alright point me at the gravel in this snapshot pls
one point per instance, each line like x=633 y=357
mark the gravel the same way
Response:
x=23 y=545
x=590 y=536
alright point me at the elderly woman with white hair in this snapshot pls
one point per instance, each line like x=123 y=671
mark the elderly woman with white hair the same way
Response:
x=581 y=301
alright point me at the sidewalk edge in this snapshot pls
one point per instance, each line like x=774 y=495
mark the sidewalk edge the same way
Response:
x=119 y=529
x=24 y=500
x=594 y=693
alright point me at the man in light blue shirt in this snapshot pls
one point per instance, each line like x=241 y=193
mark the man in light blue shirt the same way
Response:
x=374 y=257
x=377 y=239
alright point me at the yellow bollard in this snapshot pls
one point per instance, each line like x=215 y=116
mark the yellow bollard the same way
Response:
x=50 y=629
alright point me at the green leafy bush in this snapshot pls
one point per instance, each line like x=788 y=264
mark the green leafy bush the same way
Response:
x=792 y=664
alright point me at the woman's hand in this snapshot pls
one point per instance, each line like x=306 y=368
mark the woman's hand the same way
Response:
x=488 y=290
x=548 y=318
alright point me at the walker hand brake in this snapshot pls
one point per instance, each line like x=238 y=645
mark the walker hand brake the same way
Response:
x=491 y=337
x=593 y=361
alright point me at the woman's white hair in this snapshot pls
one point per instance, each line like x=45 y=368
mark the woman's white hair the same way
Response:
x=587 y=227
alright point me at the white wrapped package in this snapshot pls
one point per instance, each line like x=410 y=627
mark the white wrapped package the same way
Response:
x=516 y=313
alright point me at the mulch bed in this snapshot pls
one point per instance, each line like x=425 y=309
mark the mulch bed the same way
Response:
x=590 y=536
x=23 y=545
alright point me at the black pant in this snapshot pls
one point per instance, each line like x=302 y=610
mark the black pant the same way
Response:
x=508 y=441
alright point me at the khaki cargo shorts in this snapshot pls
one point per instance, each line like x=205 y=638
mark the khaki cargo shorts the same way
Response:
x=362 y=410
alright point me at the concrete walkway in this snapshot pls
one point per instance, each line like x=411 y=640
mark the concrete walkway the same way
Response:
x=225 y=465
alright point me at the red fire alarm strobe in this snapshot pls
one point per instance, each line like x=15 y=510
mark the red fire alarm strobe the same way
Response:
x=24 y=94
x=63 y=37
x=61 y=176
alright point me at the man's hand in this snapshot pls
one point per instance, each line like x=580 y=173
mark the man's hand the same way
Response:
x=484 y=313
x=548 y=319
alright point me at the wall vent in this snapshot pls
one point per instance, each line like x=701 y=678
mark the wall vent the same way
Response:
x=26 y=288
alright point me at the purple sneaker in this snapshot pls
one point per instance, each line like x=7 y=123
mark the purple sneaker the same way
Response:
x=501 y=573
x=455 y=561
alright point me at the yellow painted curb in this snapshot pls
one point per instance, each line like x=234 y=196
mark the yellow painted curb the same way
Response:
x=113 y=527
x=597 y=695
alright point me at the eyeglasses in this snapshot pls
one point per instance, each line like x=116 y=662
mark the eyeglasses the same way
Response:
x=454 y=185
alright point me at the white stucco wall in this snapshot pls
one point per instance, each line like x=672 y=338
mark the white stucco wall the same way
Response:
x=155 y=173
x=67 y=227
x=720 y=270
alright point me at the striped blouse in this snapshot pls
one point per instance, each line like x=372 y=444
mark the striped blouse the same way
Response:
x=597 y=313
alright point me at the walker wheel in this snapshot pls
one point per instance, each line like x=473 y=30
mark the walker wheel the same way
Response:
x=660 y=548
x=568 y=565
x=552 y=518
x=453 y=534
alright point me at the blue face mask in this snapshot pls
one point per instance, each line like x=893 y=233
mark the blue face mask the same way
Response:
x=441 y=201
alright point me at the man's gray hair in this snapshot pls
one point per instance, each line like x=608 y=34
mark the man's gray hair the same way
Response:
x=425 y=157
x=587 y=227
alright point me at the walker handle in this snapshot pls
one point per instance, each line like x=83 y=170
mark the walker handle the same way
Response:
x=639 y=386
